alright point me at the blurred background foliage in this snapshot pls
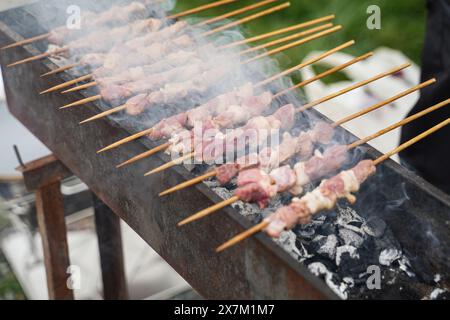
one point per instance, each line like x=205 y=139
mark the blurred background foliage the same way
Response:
x=402 y=24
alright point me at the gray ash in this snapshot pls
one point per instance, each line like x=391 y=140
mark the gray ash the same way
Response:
x=341 y=246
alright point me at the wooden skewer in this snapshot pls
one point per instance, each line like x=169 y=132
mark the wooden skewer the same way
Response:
x=144 y=155
x=27 y=41
x=209 y=210
x=242 y=236
x=353 y=87
x=385 y=102
x=82 y=101
x=279 y=31
x=412 y=141
x=261 y=226
x=199 y=9
x=262 y=83
x=170 y=164
x=247 y=19
x=287 y=38
x=68 y=83
x=294 y=44
x=398 y=124
x=38 y=57
x=234 y=13
x=306 y=63
x=318 y=35
x=199 y=179
x=177 y=15
x=189 y=183
x=324 y=74
x=60 y=69
x=125 y=140
x=82 y=87
x=105 y=113
x=335 y=124
x=315 y=59
x=71 y=82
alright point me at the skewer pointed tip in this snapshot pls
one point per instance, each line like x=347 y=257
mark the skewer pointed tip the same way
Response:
x=208 y=211
x=82 y=101
x=242 y=236
x=45 y=91
x=26 y=41
x=126 y=140
x=104 y=114
x=145 y=155
x=170 y=164
x=189 y=183
x=60 y=69
x=153 y=172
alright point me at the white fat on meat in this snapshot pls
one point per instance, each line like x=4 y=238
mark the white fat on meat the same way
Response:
x=351 y=184
x=316 y=201
x=302 y=178
x=284 y=178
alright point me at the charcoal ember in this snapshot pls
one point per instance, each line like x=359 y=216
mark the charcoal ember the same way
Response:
x=437 y=278
x=332 y=280
x=439 y=294
x=348 y=260
x=356 y=224
x=316 y=243
x=304 y=254
x=388 y=256
x=347 y=215
x=346 y=250
x=405 y=265
x=374 y=227
x=350 y=237
x=327 y=228
x=349 y=281
x=328 y=247
x=305 y=232
x=287 y=240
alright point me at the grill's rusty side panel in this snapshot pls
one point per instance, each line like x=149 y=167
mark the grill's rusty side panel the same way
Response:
x=257 y=269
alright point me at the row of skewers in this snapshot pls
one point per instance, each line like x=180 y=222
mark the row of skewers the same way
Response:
x=167 y=64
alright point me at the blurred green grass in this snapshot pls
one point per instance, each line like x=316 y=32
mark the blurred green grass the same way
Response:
x=402 y=24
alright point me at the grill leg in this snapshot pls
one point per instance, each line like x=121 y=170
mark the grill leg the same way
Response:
x=111 y=253
x=52 y=227
x=43 y=176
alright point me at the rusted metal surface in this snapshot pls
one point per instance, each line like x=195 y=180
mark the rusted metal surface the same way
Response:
x=107 y=225
x=257 y=268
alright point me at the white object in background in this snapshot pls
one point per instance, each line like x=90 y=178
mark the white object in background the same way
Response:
x=383 y=60
x=148 y=275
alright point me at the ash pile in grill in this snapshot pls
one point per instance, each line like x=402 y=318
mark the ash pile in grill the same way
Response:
x=343 y=248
